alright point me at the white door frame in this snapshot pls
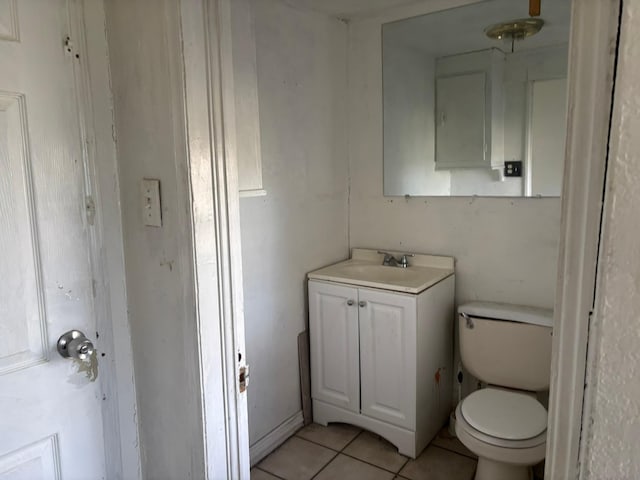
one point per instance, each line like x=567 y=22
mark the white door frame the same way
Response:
x=210 y=120
x=592 y=51
x=217 y=260
x=95 y=112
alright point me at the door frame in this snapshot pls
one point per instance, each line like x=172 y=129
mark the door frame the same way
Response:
x=95 y=119
x=217 y=262
x=592 y=58
x=215 y=224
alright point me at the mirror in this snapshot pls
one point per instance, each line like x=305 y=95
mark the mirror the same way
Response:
x=466 y=114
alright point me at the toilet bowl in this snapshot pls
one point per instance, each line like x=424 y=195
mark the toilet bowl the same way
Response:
x=509 y=348
x=507 y=431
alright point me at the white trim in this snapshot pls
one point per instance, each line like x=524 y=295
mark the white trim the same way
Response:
x=276 y=437
x=590 y=83
x=210 y=120
x=253 y=193
x=91 y=75
x=528 y=154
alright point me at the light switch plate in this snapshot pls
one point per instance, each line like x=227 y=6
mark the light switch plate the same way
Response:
x=150 y=198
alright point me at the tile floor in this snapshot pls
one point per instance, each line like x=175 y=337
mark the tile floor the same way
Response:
x=348 y=453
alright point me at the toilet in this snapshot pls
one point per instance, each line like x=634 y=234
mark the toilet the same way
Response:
x=508 y=348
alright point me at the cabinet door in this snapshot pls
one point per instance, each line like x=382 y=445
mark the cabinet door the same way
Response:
x=460 y=121
x=388 y=356
x=333 y=334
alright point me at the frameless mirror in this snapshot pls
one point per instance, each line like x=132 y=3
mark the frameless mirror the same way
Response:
x=466 y=114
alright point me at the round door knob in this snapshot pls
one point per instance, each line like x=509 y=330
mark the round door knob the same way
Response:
x=350 y=302
x=362 y=303
x=74 y=344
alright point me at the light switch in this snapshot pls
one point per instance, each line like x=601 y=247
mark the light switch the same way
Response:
x=151 y=210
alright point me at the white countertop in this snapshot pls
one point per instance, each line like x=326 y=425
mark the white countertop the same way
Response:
x=365 y=269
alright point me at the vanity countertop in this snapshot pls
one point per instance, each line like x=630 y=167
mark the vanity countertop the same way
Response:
x=365 y=269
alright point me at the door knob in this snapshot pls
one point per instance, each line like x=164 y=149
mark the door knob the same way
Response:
x=74 y=344
x=362 y=303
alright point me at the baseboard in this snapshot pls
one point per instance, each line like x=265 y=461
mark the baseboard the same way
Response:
x=275 y=438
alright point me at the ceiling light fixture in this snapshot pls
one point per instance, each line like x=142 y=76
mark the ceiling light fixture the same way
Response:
x=513 y=30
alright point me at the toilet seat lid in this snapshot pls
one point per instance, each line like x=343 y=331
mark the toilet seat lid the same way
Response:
x=504 y=414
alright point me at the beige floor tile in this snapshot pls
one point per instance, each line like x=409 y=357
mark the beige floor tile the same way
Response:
x=257 y=474
x=297 y=459
x=335 y=436
x=445 y=440
x=347 y=468
x=373 y=449
x=439 y=464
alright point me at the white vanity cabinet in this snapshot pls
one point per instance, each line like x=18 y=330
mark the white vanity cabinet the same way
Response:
x=382 y=360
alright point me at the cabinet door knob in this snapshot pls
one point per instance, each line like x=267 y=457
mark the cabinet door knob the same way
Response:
x=362 y=303
x=350 y=302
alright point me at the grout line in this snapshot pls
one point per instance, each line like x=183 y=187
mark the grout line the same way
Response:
x=323 y=445
x=268 y=472
x=403 y=465
x=327 y=464
x=374 y=465
x=452 y=451
x=352 y=440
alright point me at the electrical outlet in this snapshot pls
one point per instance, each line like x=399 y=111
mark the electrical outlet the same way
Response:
x=513 y=168
x=150 y=199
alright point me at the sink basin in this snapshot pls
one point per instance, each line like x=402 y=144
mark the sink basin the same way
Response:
x=381 y=273
x=365 y=273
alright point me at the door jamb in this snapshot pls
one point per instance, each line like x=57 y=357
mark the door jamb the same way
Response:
x=210 y=120
x=592 y=56
x=95 y=119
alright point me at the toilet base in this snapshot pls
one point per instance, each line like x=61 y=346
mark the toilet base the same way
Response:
x=492 y=470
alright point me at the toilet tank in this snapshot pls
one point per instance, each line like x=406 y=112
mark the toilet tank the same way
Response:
x=506 y=345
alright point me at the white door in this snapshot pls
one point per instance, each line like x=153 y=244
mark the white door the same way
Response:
x=460 y=120
x=333 y=335
x=388 y=356
x=547 y=132
x=50 y=413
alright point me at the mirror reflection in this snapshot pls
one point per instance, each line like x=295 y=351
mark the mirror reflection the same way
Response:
x=474 y=101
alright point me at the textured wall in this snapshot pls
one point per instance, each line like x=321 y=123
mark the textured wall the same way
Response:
x=145 y=59
x=301 y=224
x=612 y=416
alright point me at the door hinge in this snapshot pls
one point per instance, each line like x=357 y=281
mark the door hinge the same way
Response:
x=243 y=378
x=90 y=209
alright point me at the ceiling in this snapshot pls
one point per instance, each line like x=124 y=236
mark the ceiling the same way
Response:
x=348 y=8
x=461 y=29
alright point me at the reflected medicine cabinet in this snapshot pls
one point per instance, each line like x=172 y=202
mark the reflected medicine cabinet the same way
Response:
x=470 y=110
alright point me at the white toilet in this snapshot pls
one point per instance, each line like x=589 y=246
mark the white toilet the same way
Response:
x=508 y=347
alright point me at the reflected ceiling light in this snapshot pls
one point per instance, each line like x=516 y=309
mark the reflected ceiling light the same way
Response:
x=513 y=30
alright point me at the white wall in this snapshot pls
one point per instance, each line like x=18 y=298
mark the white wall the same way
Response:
x=144 y=49
x=301 y=224
x=612 y=410
x=506 y=248
x=409 y=124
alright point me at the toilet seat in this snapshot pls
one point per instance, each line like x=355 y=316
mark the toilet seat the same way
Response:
x=504 y=414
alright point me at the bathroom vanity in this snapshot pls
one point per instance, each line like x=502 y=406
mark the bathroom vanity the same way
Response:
x=381 y=340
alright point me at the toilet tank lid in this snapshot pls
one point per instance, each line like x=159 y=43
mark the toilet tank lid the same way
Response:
x=506 y=311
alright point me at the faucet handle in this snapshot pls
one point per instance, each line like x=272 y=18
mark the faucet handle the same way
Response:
x=387 y=257
x=404 y=260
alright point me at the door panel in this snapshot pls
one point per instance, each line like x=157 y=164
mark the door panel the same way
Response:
x=460 y=125
x=388 y=356
x=23 y=339
x=50 y=407
x=333 y=329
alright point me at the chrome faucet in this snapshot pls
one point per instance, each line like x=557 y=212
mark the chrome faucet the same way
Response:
x=391 y=261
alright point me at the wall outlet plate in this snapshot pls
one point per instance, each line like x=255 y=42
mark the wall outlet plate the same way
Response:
x=513 y=168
